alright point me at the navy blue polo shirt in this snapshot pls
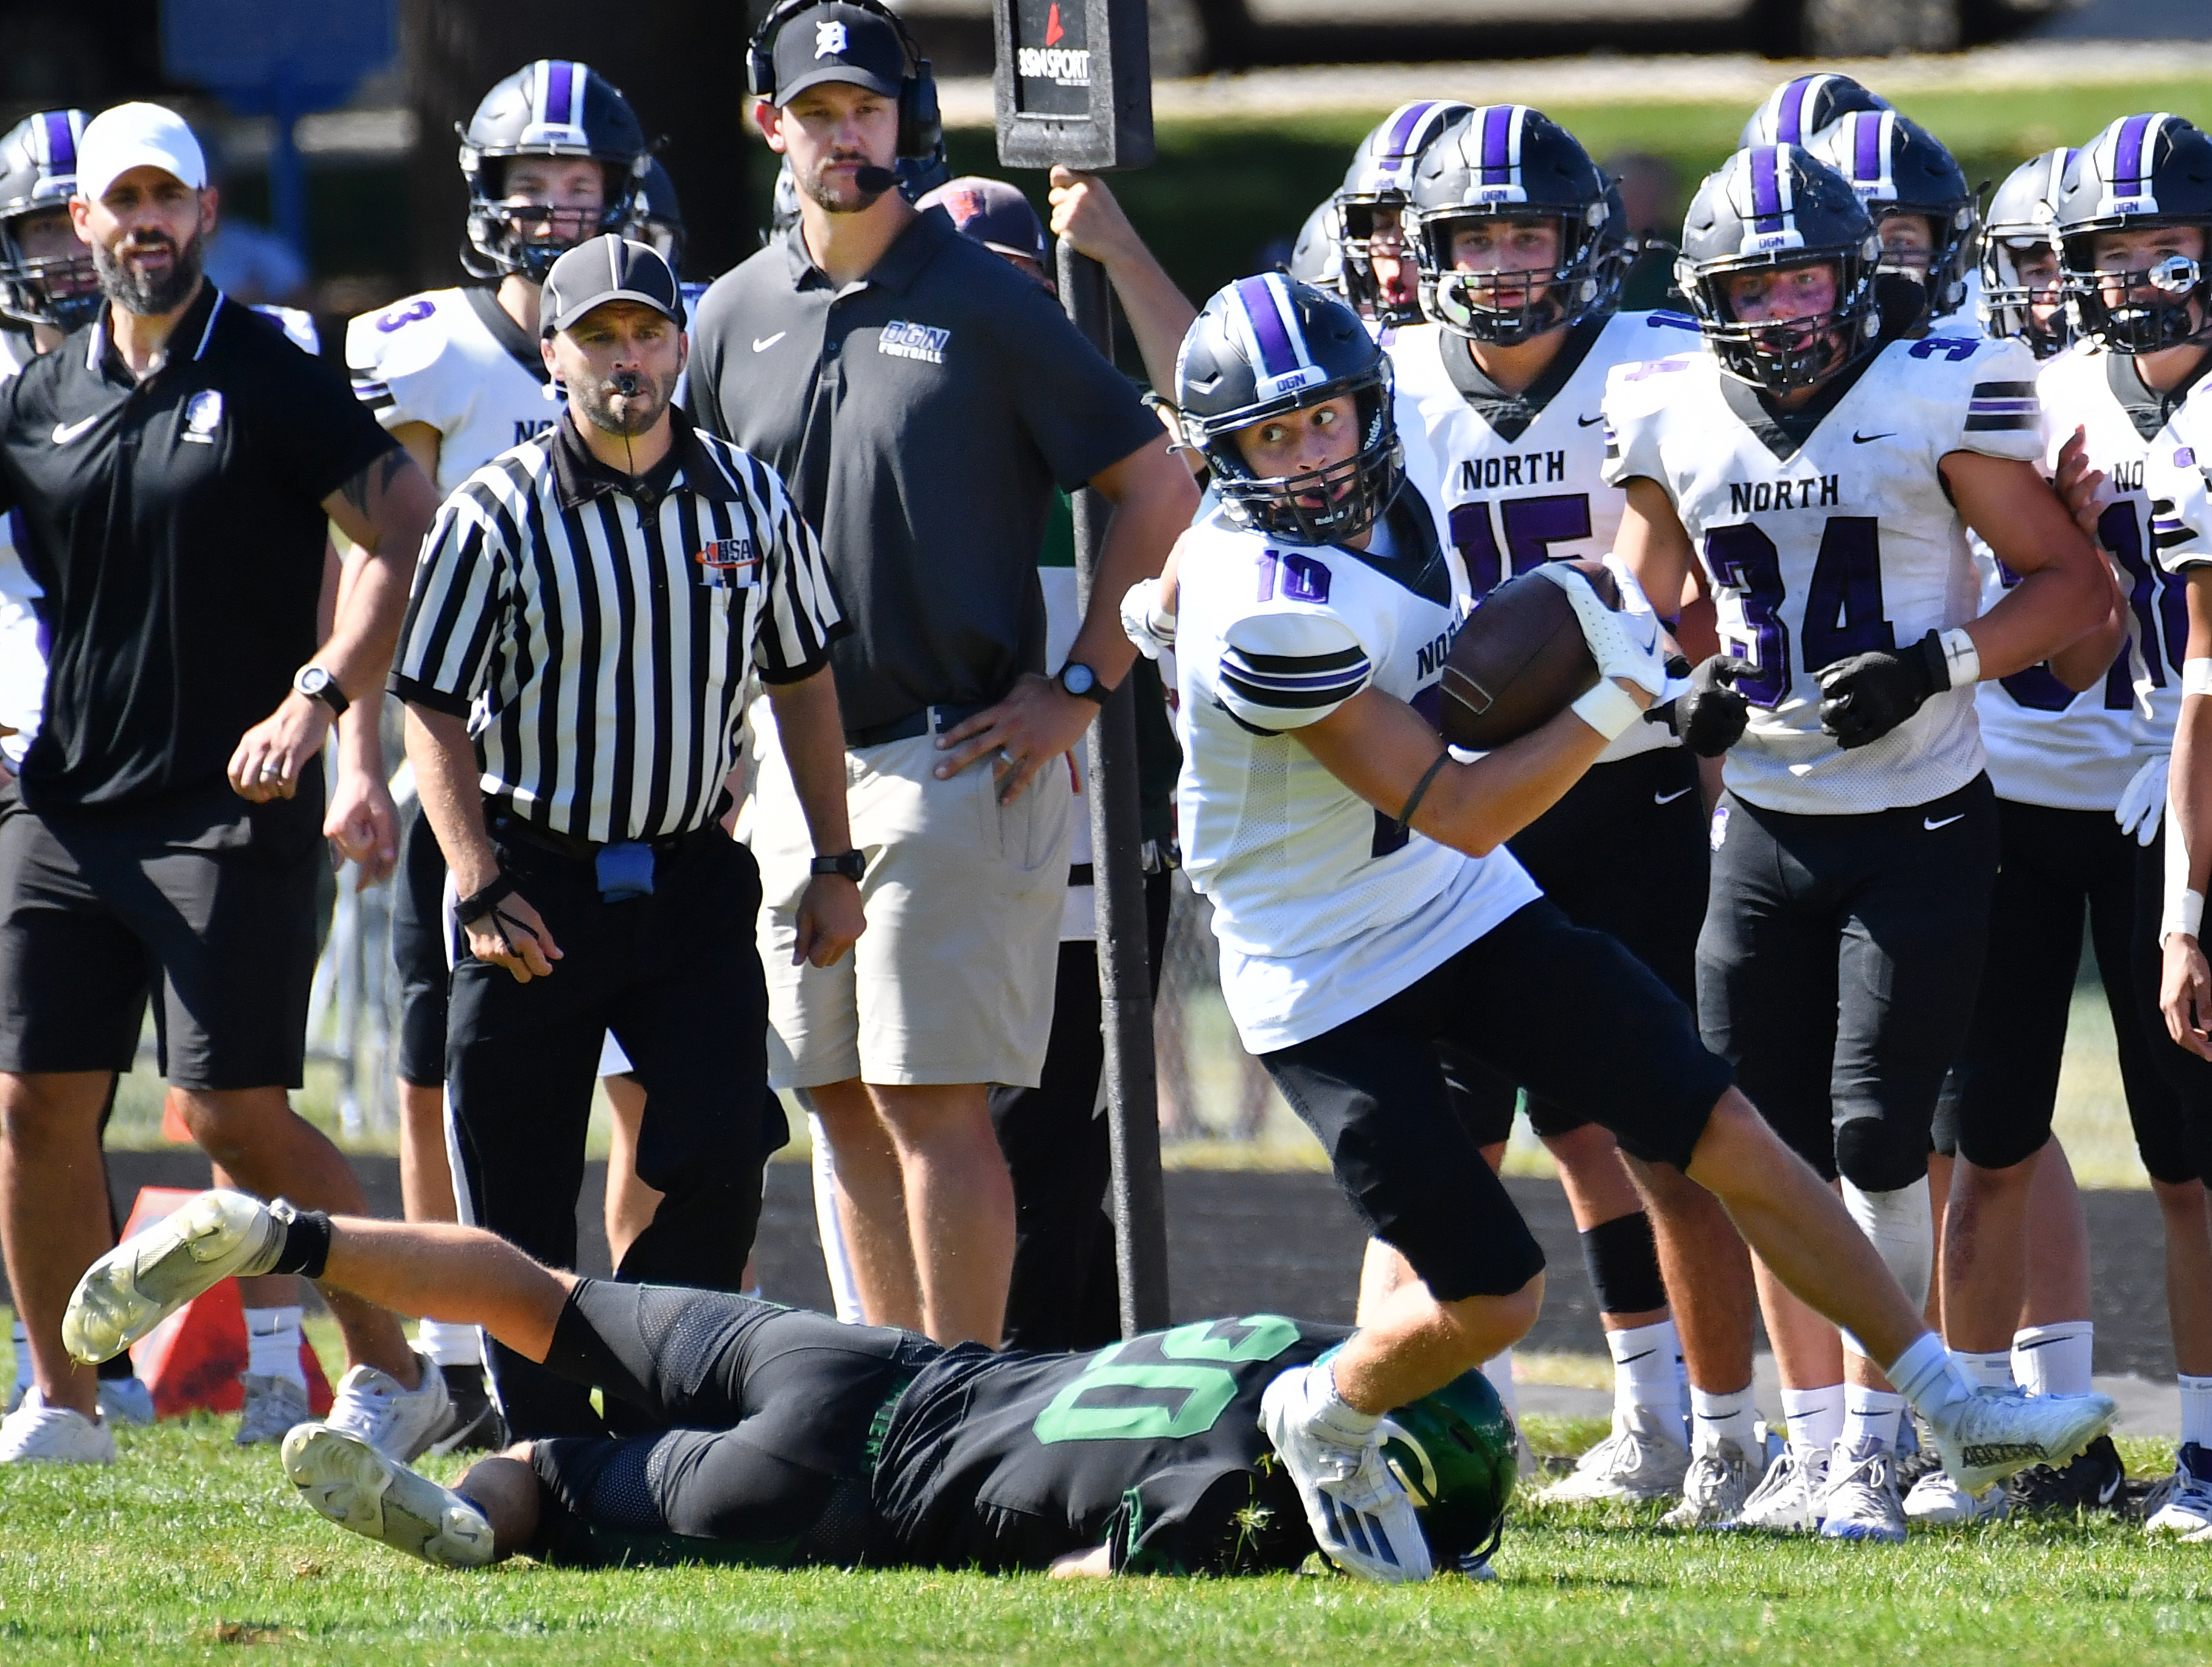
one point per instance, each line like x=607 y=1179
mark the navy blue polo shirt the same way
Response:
x=923 y=416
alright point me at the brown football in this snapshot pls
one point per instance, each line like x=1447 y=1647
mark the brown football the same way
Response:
x=1519 y=660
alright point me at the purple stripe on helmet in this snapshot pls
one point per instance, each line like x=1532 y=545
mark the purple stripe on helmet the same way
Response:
x=1866 y=156
x=1497 y=145
x=1790 y=119
x=1765 y=192
x=61 y=144
x=1399 y=139
x=2128 y=152
x=559 y=78
x=1278 y=356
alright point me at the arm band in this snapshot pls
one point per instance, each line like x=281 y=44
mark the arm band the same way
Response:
x=2196 y=677
x=1421 y=790
x=2184 y=907
x=1961 y=657
x=2183 y=918
x=1606 y=707
x=473 y=908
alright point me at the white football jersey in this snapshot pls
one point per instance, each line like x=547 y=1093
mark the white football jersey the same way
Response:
x=2177 y=479
x=22 y=656
x=1838 y=544
x=2047 y=745
x=1519 y=480
x=1322 y=905
x=453 y=359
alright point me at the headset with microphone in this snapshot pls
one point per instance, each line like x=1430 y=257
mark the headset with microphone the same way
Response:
x=921 y=128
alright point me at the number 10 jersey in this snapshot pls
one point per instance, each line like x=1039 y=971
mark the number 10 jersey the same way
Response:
x=1838 y=541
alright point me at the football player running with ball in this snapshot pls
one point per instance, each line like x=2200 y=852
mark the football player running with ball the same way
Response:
x=1823 y=477
x=1366 y=916
x=1499 y=403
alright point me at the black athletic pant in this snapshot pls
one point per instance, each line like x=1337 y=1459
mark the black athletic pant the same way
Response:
x=418 y=953
x=676 y=977
x=2188 y=1150
x=1064 y=1294
x=761 y=1420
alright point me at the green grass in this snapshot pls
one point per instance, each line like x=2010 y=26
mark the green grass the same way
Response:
x=188 y=1548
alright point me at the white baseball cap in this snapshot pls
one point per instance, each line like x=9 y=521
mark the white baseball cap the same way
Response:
x=136 y=136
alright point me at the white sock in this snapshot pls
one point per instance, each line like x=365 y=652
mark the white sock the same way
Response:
x=1718 y=1418
x=1498 y=1368
x=1816 y=1417
x=2054 y=1359
x=1645 y=1360
x=1927 y=1376
x=1992 y=1371
x=2196 y=1411
x=1871 y=1414
x=837 y=1257
x=22 y=1339
x=1327 y=1408
x=273 y=1344
x=448 y=1344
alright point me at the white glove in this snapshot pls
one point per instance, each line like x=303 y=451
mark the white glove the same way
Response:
x=1625 y=642
x=2143 y=801
x=1152 y=630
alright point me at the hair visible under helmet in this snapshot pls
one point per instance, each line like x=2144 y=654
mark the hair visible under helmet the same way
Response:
x=554 y=108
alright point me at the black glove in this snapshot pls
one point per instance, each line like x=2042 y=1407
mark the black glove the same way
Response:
x=1709 y=716
x=1865 y=696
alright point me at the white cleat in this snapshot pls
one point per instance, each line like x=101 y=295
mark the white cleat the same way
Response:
x=125 y=1401
x=1984 y=1437
x=1862 y=1502
x=1361 y=1515
x=1715 y=1488
x=2181 y=1504
x=36 y=1434
x=1937 y=1501
x=1789 y=1496
x=357 y=1488
x=399 y=1423
x=147 y=1277
x=1644 y=1459
x=273 y=1406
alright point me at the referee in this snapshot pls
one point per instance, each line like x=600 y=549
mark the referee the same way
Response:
x=589 y=608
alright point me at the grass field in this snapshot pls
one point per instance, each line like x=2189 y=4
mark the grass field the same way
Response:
x=188 y=1548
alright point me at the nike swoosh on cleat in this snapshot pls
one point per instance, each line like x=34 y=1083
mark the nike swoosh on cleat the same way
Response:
x=1585 y=422
x=1666 y=798
x=2105 y=1493
x=762 y=344
x=1931 y=824
x=65 y=432
x=1858 y=439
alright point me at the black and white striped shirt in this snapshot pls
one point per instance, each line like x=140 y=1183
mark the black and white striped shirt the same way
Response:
x=597 y=632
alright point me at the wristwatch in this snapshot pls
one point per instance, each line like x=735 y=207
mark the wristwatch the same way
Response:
x=851 y=864
x=316 y=684
x=1079 y=679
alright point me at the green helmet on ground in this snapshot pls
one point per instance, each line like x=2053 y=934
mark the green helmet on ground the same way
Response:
x=1457 y=1453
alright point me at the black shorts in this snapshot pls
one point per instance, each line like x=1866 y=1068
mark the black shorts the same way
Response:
x=209 y=897
x=1624 y=852
x=1997 y=1107
x=2183 y=1152
x=759 y=1420
x=418 y=951
x=1837 y=969
x=1539 y=1001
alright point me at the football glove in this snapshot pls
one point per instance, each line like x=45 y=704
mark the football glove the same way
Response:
x=2142 y=804
x=1864 y=696
x=1625 y=642
x=1142 y=620
x=1709 y=715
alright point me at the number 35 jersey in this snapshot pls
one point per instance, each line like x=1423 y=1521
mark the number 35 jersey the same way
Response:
x=1838 y=541
x=1519 y=480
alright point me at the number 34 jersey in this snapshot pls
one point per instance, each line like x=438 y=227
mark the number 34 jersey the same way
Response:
x=1823 y=545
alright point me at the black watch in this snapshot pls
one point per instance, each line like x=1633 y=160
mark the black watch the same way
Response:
x=851 y=864
x=1079 y=679
x=316 y=684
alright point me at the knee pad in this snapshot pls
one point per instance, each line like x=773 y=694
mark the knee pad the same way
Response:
x=1623 y=1260
x=1901 y=1226
x=1879 y=1154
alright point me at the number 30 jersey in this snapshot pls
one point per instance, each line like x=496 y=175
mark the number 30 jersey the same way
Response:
x=1519 y=480
x=1836 y=542
x=1324 y=906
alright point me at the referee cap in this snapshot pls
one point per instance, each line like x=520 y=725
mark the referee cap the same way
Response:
x=607 y=268
x=992 y=213
x=136 y=136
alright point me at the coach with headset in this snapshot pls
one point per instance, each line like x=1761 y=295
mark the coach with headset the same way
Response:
x=924 y=400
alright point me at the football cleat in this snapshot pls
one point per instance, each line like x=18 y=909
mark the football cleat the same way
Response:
x=1361 y=1515
x=1789 y=1496
x=1984 y=1437
x=273 y=1406
x=473 y=1424
x=125 y=1401
x=399 y=1423
x=1715 y=1488
x=1644 y=1459
x=147 y=1277
x=36 y=1434
x=2092 y=1481
x=1937 y=1501
x=1862 y=1502
x=357 y=1488
x=2181 y=1503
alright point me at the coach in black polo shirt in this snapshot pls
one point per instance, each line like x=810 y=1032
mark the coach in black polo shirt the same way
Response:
x=924 y=399
x=173 y=464
x=584 y=622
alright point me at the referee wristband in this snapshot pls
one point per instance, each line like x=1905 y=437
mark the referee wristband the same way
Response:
x=1608 y=707
x=2185 y=915
x=477 y=904
x=1960 y=658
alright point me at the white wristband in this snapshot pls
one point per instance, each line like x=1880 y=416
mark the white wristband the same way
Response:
x=1959 y=654
x=2196 y=677
x=2183 y=914
x=1608 y=707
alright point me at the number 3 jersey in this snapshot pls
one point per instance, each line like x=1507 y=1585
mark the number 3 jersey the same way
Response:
x=1519 y=480
x=1830 y=534
x=453 y=359
x=1324 y=906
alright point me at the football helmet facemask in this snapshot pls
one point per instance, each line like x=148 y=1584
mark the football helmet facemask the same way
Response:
x=1456 y=1452
x=2142 y=173
x=1773 y=208
x=38 y=175
x=2023 y=217
x=1267 y=345
x=553 y=107
x=1377 y=187
x=1897 y=166
x=658 y=218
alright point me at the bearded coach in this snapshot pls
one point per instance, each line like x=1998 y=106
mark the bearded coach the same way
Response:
x=924 y=399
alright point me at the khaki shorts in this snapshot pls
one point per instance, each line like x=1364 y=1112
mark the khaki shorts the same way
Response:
x=952 y=981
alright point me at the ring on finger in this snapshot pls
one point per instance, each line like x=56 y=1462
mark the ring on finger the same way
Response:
x=1007 y=757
